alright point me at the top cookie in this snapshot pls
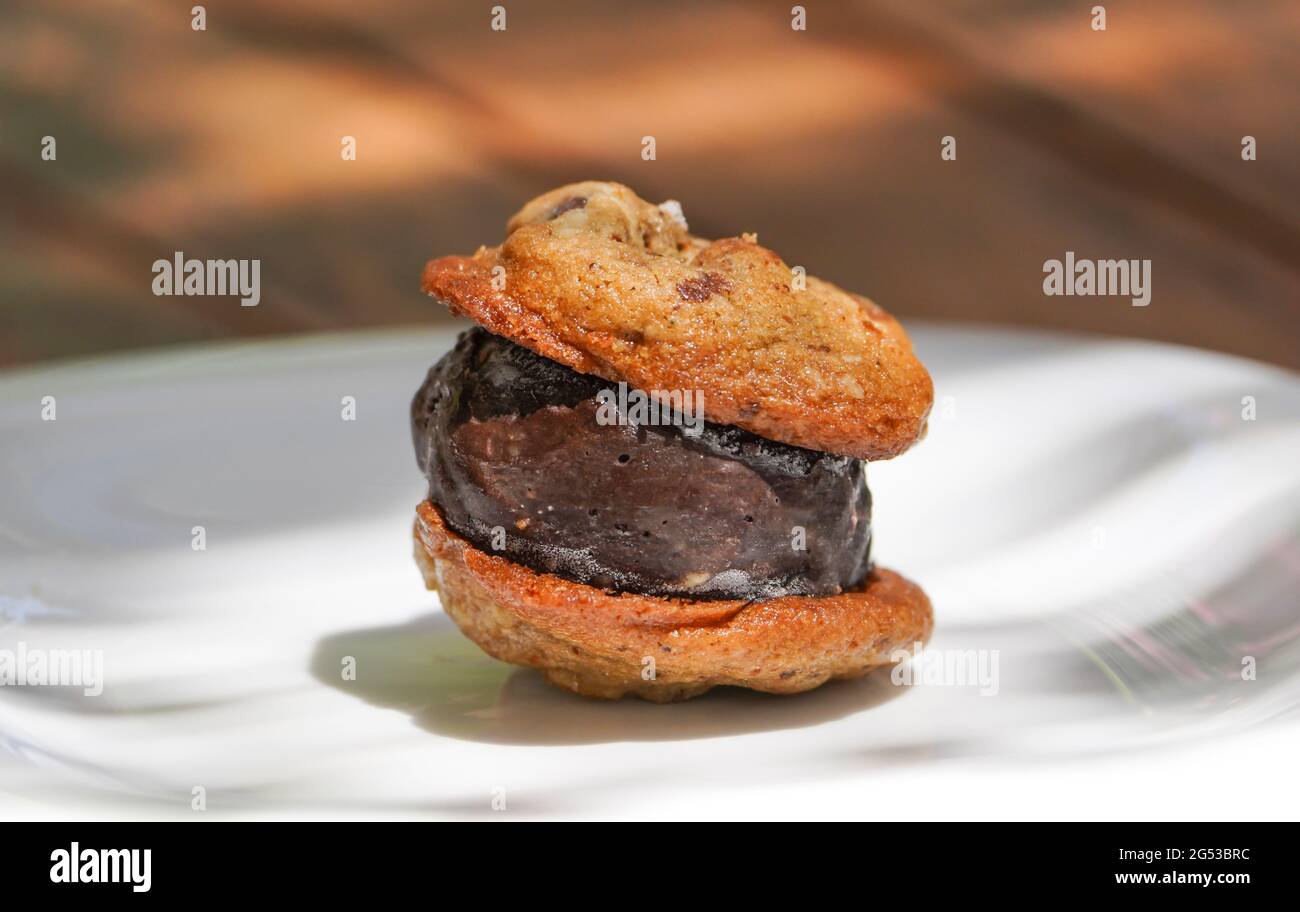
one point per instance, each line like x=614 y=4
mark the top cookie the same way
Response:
x=592 y=276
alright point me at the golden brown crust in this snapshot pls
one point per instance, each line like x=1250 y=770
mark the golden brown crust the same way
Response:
x=597 y=644
x=616 y=287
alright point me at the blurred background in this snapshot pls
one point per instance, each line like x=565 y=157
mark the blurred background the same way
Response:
x=225 y=143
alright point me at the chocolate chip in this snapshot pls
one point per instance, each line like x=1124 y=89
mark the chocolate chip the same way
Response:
x=703 y=287
x=573 y=202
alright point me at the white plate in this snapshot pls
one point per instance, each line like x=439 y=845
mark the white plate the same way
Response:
x=1097 y=513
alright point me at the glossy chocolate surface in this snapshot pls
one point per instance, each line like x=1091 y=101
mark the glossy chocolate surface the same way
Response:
x=516 y=459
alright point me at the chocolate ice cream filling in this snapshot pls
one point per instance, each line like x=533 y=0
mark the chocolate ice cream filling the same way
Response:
x=520 y=466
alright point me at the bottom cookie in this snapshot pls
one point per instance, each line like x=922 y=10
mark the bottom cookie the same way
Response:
x=609 y=645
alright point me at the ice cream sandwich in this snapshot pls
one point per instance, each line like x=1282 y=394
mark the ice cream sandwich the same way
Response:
x=647 y=462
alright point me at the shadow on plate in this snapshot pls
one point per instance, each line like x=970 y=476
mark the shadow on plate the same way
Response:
x=428 y=669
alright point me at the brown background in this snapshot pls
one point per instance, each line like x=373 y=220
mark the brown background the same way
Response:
x=225 y=143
